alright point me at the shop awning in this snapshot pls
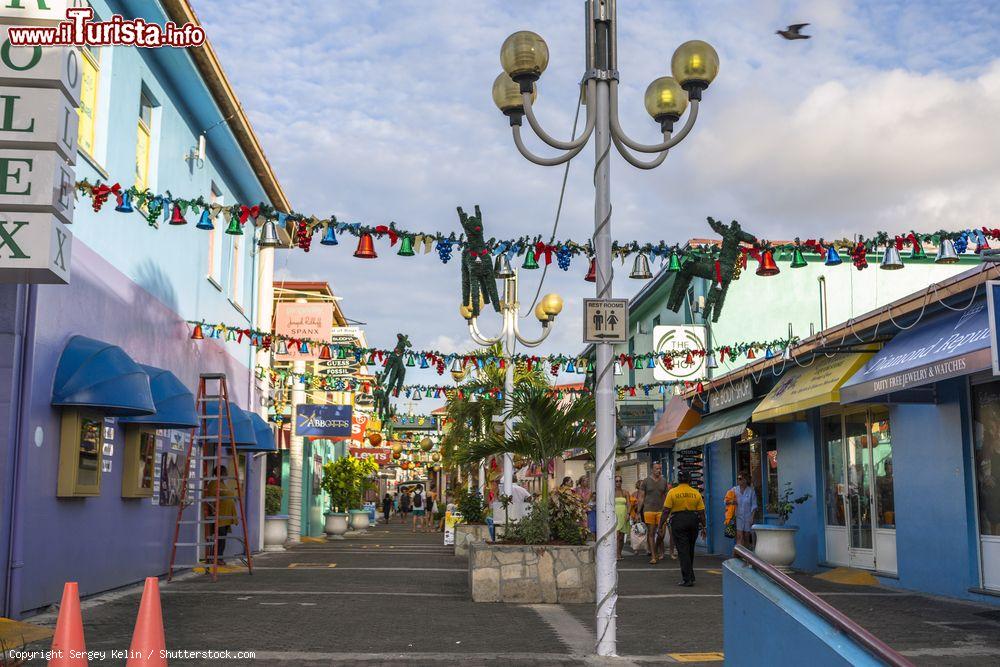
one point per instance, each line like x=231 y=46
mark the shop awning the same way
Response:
x=802 y=388
x=99 y=375
x=726 y=424
x=242 y=425
x=265 y=436
x=641 y=443
x=943 y=346
x=677 y=420
x=174 y=403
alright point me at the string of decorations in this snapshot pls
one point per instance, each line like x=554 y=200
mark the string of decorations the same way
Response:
x=439 y=361
x=530 y=250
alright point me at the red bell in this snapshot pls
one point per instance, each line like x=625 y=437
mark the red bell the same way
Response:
x=177 y=217
x=324 y=353
x=366 y=247
x=592 y=272
x=197 y=334
x=750 y=354
x=767 y=266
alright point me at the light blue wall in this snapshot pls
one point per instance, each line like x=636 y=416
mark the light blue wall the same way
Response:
x=798 y=461
x=764 y=625
x=721 y=477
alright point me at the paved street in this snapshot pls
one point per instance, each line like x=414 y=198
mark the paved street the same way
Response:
x=392 y=597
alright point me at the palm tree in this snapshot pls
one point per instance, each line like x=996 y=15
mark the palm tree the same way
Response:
x=542 y=432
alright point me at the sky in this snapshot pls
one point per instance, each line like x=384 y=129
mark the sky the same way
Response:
x=886 y=119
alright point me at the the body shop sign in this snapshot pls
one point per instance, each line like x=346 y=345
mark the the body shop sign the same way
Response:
x=678 y=340
x=323 y=421
x=303 y=321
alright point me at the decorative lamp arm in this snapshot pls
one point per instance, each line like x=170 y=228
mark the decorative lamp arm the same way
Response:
x=545 y=162
x=555 y=143
x=480 y=338
x=636 y=162
x=546 y=330
x=619 y=133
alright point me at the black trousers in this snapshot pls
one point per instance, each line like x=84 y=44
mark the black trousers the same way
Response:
x=684 y=527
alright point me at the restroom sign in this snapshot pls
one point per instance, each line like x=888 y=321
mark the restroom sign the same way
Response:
x=605 y=320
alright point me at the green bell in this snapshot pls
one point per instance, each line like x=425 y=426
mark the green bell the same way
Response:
x=234 y=228
x=674 y=263
x=918 y=249
x=798 y=261
x=406 y=247
x=409 y=361
x=529 y=260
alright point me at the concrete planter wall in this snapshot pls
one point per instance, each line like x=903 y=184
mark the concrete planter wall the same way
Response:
x=532 y=574
x=275 y=532
x=467 y=533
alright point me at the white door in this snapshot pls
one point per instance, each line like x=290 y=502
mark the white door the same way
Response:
x=858 y=491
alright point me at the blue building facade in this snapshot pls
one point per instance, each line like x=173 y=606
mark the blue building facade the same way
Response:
x=133 y=286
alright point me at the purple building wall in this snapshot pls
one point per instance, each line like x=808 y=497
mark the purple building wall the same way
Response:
x=106 y=541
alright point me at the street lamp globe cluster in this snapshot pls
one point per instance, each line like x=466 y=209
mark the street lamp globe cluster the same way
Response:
x=693 y=67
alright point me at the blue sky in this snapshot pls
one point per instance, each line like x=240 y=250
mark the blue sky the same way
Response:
x=381 y=111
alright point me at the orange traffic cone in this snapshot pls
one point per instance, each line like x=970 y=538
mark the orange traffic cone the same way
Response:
x=68 y=647
x=148 y=644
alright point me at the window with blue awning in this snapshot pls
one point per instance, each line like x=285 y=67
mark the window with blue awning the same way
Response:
x=174 y=403
x=93 y=374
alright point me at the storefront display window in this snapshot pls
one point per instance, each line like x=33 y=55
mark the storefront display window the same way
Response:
x=80 y=453
x=140 y=453
x=986 y=442
x=757 y=455
x=885 y=508
x=833 y=458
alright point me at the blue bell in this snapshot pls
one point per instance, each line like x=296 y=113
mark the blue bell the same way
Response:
x=652 y=363
x=570 y=367
x=832 y=258
x=304 y=348
x=205 y=221
x=768 y=354
x=329 y=237
x=423 y=362
x=126 y=205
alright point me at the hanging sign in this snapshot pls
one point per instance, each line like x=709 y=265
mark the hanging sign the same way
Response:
x=34 y=248
x=381 y=455
x=323 y=421
x=676 y=340
x=605 y=320
x=730 y=394
x=306 y=321
x=359 y=426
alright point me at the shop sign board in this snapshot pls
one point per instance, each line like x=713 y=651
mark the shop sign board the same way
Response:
x=36 y=181
x=635 y=414
x=381 y=455
x=305 y=321
x=730 y=394
x=605 y=320
x=34 y=12
x=680 y=339
x=40 y=119
x=323 y=421
x=56 y=67
x=34 y=248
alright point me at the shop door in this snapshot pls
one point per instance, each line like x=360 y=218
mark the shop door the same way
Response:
x=859 y=491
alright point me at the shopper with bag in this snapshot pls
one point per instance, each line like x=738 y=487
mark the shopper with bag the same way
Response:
x=621 y=514
x=746 y=509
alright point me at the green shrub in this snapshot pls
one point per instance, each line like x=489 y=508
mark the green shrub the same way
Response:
x=272 y=499
x=534 y=527
x=560 y=519
x=471 y=505
x=346 y=480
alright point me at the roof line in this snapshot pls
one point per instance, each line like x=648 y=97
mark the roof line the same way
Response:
x=205 y=59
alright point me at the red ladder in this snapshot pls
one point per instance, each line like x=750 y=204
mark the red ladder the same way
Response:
x=205 y=455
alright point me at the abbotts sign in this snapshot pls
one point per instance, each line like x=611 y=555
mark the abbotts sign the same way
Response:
x=323 y=421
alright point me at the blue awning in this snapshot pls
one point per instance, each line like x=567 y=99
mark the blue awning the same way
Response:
x=943 y=346
x=242 y=425
x=174 y=403
x=265 y=436
x=99 y=375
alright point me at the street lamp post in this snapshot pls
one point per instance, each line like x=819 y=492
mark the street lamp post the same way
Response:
x=524 y=56
x=510 y=334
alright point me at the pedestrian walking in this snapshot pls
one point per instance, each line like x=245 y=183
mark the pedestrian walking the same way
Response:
x=621 y=514
x=405 y=504
x=587 y=496
x=386 y=508
x=652 y=494
x=746 y=508
x=418 y=509
x=684 y=514
x=428 y=522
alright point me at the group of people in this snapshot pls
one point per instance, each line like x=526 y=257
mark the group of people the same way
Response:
x=412 y=503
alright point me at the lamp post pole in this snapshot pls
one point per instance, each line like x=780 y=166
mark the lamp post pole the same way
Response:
x=510 y=334
x=524 y=56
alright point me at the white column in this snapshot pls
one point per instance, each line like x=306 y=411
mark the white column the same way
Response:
x=295 y=456
x=265 y=311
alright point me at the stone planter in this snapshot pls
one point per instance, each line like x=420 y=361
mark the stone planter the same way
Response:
x=359 y=520
x=336 y=525
x=275 y=532
x=775 y=544
x=532 y=574
x=467 y=533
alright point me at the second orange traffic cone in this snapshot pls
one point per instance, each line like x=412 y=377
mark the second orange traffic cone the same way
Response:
x=148 y=644
x=68 y=647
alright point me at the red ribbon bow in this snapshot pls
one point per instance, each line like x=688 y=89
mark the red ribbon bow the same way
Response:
x=101 y=192
x=385 y=229
x=248 y=212
x=542 y=248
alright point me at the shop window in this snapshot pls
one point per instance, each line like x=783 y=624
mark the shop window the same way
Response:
x=833 y=462
x=140 y=452
x=986 y=441
x=80 y=454
x=90 y=66
x=881 y=438
x=770 y=461
x=143 y=142
x=757 y=456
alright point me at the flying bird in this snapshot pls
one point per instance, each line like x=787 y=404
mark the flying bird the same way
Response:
x=793 y=31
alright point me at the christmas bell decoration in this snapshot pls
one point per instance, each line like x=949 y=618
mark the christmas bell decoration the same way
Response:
x=205 y=221
x=710 y=361
x=329 y=236
x=268 y=235
x=282 y=347
x=592 y=271
x=126 y=205
x=946 y=252
x=417 y=395
x=366 y=247
x=234 y=228
x=502 y=269
x=918 y=248
x=640 y=268
x=529 y=260
x=618 y=368
x=406 y=247
x=324 y=353
x=832 y=257
x=891 y=260
x=177 y=216
x=798 y=260
x=674 y=263
x=197 y=333
x=767 y=267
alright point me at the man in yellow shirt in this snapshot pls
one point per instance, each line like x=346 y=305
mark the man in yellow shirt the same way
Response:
x=684 y=512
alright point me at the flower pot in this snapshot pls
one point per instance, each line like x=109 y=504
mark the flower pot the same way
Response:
x=275 y=532
x=336 y=525
x=359 y=520
x=775 y=544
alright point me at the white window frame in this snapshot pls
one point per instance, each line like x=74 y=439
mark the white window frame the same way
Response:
x=236 y=271
x=215 y=238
